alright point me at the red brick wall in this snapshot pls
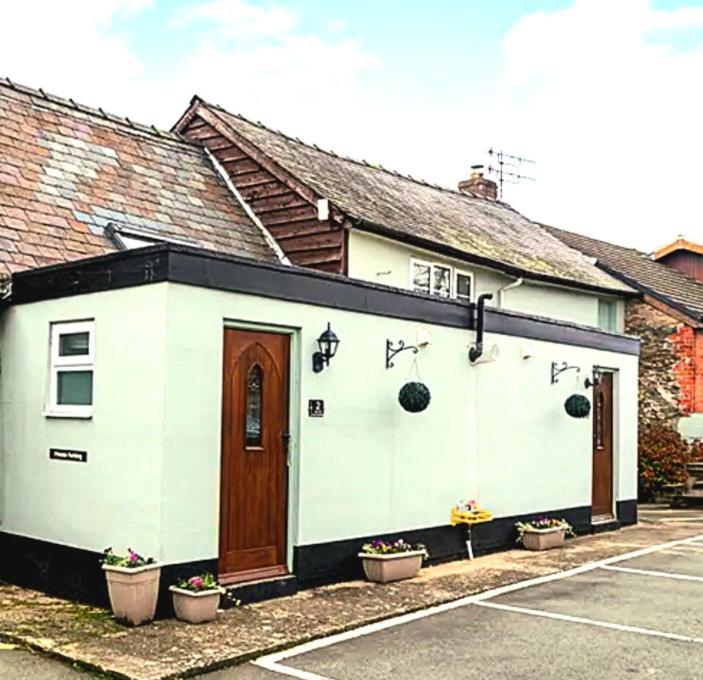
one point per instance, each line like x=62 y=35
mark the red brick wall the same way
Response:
x=698 y=365
x=683 y=342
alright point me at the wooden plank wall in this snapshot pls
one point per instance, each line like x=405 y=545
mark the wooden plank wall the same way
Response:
x=290 y=218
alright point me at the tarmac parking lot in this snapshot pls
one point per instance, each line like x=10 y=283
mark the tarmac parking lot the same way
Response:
x=634 y=615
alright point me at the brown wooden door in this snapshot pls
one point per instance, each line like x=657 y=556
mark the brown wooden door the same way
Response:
x=603 y=446
x=254 y=455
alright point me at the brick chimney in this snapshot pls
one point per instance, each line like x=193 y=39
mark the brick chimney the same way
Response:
x=479 y=186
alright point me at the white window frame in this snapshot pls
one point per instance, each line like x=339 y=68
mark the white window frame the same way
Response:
x=59 y=364
x=468 y=275
x=453 y=272
x=422 y=263
x=612 y=304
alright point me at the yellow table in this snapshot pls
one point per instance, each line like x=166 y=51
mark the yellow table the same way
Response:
x=470 y=518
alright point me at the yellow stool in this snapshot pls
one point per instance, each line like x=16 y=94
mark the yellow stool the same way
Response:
x=469 y=518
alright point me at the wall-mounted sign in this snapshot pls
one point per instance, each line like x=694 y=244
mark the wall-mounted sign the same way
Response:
x=69 y=454
x=316 y=408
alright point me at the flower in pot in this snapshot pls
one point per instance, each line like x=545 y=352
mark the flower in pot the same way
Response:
x=385 y=561
x=197 y=598
x=133 y=585
x=544 y=533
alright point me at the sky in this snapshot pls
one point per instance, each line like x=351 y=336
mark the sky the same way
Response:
x=604 y=95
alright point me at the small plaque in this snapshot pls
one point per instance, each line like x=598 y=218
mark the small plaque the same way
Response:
x=316 y=408
x=69 y=454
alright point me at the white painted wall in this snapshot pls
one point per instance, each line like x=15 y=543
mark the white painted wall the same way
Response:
x=496 y=431
x=530 y=453
x=381 y=260
x=114 y=498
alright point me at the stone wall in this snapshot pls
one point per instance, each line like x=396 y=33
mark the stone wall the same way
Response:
x=665 y=360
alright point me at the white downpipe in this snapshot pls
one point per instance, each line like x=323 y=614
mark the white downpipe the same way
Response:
x=501 y=291
x=283 y=258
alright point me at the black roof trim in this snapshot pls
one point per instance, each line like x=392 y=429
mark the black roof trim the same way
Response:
x=207 y=269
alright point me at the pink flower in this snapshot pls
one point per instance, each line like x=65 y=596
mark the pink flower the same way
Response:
x=133 y=557
x=196 y=581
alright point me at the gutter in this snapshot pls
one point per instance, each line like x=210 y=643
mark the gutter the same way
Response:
x=509 y=270
x=504 y=289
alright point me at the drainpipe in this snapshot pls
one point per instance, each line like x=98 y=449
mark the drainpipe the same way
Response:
x=477 y=350
x=501 y=291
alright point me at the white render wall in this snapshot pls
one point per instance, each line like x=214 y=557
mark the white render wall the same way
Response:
x=384 y=261
x=496 y=431
x=114 y=498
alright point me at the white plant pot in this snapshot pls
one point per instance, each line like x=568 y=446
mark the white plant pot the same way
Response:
x=543 y=539
x=133 y=592
x=393 y=567
x=195 y=607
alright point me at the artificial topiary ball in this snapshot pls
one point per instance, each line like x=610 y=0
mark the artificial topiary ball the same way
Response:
x=414 y=397
x=577 y=406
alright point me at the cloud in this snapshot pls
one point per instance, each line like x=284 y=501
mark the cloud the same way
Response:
x=70 y=47
x=605 y=98
x=239 y=19
x=257 y=60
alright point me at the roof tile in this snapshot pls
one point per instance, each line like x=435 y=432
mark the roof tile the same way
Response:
x=641 y=271
x=66 y=171
x=489 y=230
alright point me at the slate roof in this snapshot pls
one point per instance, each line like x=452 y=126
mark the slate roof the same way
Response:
x=67 y=171
x=405 y=208
x=638 y=269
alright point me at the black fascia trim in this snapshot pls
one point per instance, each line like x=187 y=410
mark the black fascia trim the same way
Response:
x=534 y=328
x=210 y=270
x=510 y=270
x=207 y=269
x=106 y=272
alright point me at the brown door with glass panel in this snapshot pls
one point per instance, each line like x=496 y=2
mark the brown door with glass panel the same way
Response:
x=254 y=455
x=602 y=446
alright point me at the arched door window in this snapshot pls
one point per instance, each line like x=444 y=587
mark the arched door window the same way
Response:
x=254 y=409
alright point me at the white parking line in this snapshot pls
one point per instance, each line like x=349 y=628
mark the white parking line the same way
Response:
x=272 y=662
x=590 y=622
x=649 y=572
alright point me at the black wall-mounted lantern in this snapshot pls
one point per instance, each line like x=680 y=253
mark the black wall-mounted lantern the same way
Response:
x=328 y=343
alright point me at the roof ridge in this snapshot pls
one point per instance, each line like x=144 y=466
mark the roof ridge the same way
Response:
x=349 y=159
x=99 y=113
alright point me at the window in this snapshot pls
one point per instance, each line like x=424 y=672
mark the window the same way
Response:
x=464 y=286
x=255 y=384
x=608 y=315
x=442 y=280
x=71 y=381
x=421 y=275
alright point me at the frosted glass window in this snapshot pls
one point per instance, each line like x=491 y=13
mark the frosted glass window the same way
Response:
x=254 y=410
